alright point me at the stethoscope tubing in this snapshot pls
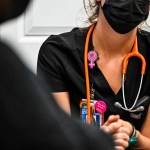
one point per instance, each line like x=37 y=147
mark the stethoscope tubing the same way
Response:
x=123 y=93
x=133 y=53
x=87 y=73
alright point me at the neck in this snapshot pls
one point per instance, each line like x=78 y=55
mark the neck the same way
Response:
x=106 y=40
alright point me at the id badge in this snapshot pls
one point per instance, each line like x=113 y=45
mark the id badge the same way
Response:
x=97 y=109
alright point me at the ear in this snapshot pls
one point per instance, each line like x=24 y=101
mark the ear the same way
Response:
x=101 y=1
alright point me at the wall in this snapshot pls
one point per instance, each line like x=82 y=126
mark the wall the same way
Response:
x=43 y=18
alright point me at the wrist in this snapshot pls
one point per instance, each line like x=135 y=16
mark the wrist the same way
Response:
x=134 y=136
x=132 y=129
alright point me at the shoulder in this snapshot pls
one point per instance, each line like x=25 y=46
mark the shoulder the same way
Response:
x=57 y=50
x=144 y=42
x=8 y=56
x=5 y=50
x=145 y=35
x=144 y=45
x=64 y=43
x=67 y=41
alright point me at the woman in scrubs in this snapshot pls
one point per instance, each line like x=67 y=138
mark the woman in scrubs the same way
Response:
x=61 y=62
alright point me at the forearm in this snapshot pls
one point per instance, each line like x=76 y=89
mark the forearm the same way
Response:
x=142 y=143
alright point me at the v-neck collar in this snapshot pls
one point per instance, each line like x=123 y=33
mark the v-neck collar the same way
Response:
x=131 y=83
x=102 y=87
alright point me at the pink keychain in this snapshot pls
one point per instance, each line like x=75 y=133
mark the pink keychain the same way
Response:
x=92 y=57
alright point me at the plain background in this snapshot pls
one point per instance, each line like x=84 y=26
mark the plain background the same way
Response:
x=42 y=18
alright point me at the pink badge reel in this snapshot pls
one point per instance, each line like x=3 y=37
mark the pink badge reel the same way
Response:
x=100 y=106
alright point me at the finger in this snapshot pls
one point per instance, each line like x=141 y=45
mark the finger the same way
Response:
x=105 y=129
x=122 y=143
x=119 y=148
x=124 y=130
x=122 y=136
x=114 y=127
x=112 y=118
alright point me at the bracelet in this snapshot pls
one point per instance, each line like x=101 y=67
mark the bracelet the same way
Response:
x=134 y=136
x=133 y=131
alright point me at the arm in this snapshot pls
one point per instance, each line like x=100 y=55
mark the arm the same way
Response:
x=115 y=126
x=144 y=136
x=50 y=68
x=62 y=99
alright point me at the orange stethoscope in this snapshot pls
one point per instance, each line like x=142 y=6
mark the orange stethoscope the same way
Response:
x=133 y=53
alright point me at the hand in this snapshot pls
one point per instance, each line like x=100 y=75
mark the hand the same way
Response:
x=111 y=125
x=121 y=138
x=120 y=130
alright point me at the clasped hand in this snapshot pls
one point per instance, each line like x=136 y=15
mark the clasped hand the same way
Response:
x=120 y=131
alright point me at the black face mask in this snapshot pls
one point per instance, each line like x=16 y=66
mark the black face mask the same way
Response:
x=124 y=15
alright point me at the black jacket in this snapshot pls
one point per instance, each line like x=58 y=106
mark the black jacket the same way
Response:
x=30 y=118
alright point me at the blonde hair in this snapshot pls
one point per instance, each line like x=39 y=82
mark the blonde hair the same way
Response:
x=92 y=10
